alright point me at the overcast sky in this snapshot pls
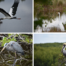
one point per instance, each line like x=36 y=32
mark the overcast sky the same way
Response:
x=24 y=11
x=49 y=38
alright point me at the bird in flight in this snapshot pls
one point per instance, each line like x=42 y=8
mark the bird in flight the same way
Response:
x=12 y=11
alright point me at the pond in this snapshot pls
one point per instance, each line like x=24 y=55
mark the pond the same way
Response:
x=54 y=23
x=24 y=11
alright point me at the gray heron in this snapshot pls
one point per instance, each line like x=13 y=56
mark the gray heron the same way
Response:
x=12 y=11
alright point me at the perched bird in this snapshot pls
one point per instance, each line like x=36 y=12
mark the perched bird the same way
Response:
x=64 y=50
x=12 y=11
x=54 y=23
x=14 y=47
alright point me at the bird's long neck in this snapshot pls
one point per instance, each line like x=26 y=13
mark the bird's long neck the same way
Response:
x=13 y=18
x=5 y=18
x=1 y=18
x=59 y=16
x=64 y=48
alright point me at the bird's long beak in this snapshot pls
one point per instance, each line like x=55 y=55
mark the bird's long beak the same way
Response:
x=2 y=49
x=18 y=18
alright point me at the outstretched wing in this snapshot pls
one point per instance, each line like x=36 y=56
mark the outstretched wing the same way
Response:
x=4 y=12
x=13 y=9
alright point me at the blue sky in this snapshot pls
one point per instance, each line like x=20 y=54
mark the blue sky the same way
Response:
x=49 y=38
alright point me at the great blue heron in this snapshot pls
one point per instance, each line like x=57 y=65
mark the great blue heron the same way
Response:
x=14 y=47
x=12 y=11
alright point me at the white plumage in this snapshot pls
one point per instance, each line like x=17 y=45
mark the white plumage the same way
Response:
x=12 y=11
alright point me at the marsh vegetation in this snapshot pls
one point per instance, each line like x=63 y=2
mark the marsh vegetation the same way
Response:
x=48 y=54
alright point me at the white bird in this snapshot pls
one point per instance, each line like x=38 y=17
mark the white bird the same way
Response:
x=60 y=23
x=12 y=11
x=56 y=23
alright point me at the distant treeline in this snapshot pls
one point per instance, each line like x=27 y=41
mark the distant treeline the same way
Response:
x=49 y=45
x=47 y=54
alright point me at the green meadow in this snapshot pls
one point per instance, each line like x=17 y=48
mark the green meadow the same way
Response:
x=48 y=54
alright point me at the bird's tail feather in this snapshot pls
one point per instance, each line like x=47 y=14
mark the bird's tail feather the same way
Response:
x=22 y=53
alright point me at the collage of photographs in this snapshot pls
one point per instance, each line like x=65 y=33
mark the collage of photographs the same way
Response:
x=32 y=32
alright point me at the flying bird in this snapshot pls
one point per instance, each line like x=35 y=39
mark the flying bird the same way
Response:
x=12 y=11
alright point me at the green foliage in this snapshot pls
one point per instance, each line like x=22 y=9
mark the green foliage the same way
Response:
x=38 y=22
x=45 y=2
x=5 y=40
x=27 y=39
x=47 y=54
x=60 y=3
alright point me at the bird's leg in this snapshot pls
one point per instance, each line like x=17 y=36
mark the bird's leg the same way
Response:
x=15 y=55
x=15 y=59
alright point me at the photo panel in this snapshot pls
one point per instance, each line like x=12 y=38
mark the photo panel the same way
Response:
x=16 y=49
x=49 y=16
x=15 y=15
x=50 y=49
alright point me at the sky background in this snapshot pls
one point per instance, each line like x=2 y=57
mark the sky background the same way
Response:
x=49 y=38
x=24 y=11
